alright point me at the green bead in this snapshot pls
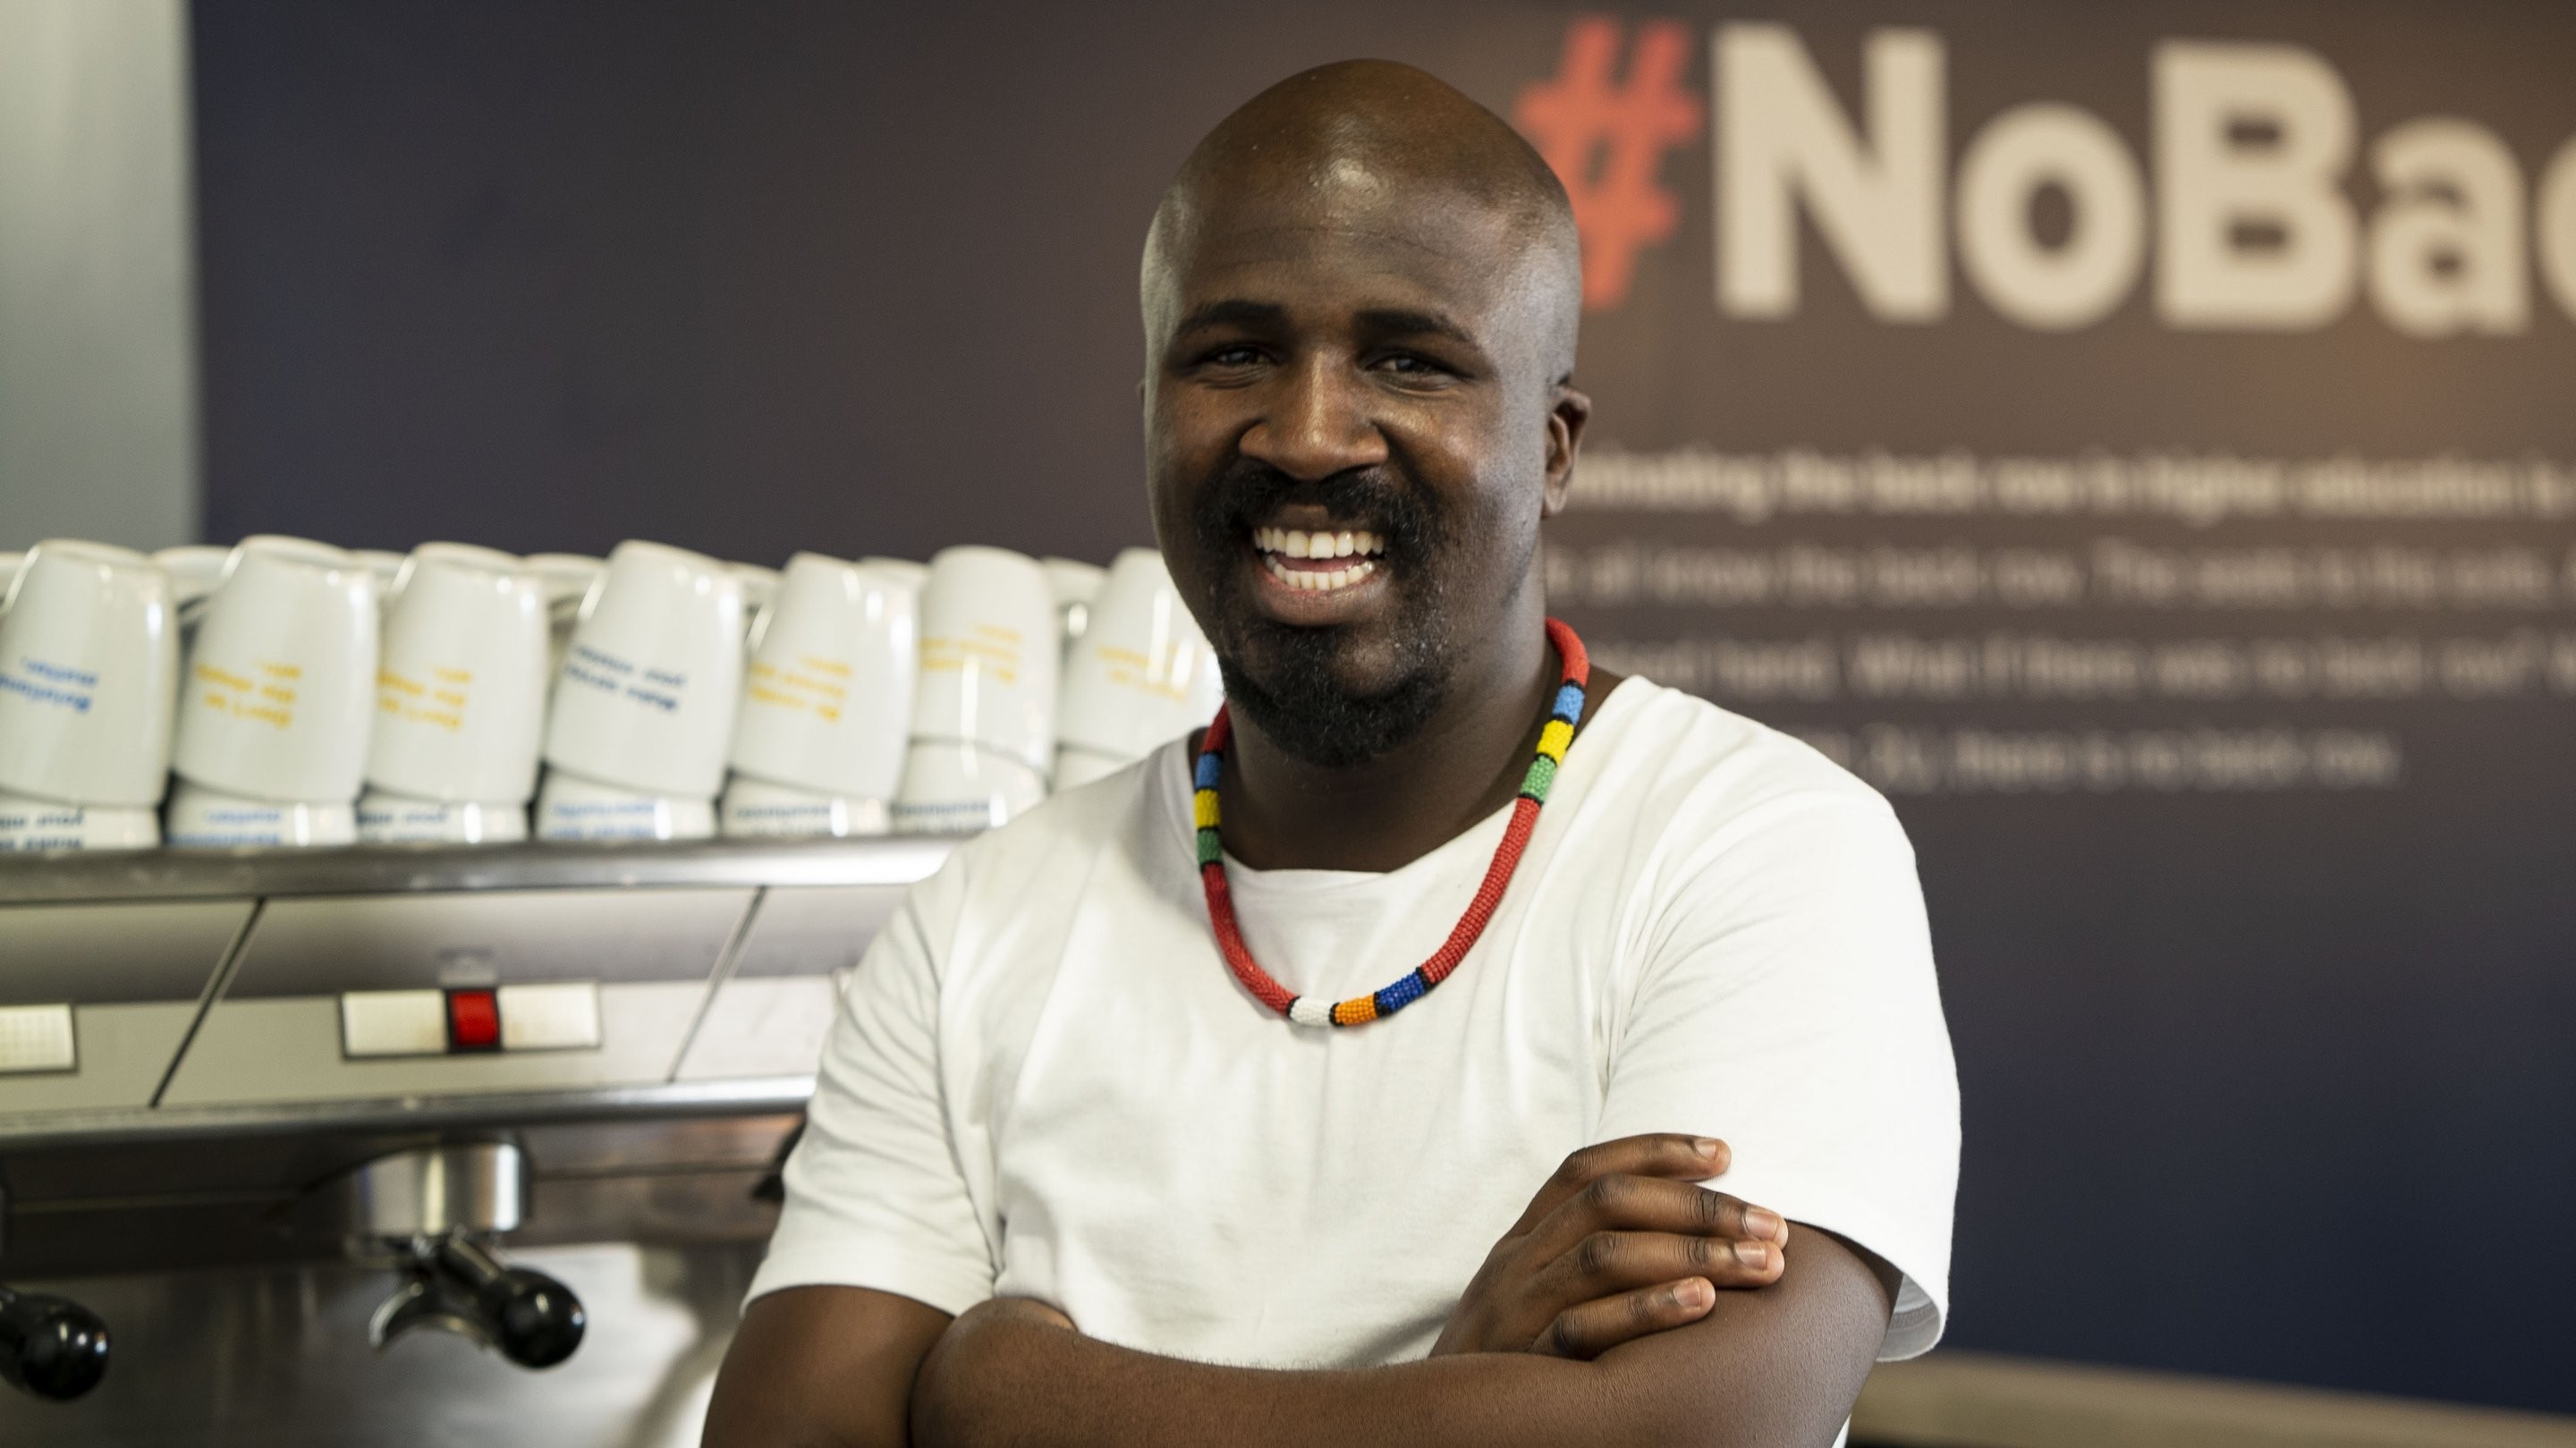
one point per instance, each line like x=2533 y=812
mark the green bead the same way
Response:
x=1542 y=773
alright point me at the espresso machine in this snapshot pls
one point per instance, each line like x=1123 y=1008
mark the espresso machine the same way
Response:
x=404 y=1144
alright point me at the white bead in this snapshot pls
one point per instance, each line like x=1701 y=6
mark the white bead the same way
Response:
x=1308 y=1011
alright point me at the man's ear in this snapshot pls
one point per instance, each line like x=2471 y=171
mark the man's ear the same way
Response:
x=1566 y=419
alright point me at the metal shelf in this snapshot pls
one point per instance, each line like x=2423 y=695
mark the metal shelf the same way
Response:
x=384 y=869
x=666 y=1101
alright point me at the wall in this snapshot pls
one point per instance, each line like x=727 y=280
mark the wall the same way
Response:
x=98 y=406
x=2168 y=505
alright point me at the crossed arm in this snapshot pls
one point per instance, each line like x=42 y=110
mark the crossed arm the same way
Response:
x=1598 y=1319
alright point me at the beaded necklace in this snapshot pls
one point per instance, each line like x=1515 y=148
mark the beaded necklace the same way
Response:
x=1563 y=715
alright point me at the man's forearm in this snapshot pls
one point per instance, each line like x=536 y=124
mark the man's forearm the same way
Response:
x=1029 y=1384
x=1771 y=1367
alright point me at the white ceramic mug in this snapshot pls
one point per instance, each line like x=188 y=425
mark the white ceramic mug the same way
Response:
x=647 y=694
x=953 y=788
x=570 y=807
x=1076 y=586
x=199 y=818
x=280 y=687
x=990 y=654
x=827 y=702
x=902 y=570
x=385 y=818
x=1143 y=674
x=758 y=809
x=461 y=686
x=89 y=675
x=567 y=579
x=29 y=826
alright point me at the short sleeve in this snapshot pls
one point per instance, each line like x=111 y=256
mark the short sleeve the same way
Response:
x=875 y=1197
x=1785 y=1002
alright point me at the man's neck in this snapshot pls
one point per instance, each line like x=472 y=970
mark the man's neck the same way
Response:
x=1285 y=813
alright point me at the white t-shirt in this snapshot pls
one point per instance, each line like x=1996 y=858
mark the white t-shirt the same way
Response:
x=1044 y=1082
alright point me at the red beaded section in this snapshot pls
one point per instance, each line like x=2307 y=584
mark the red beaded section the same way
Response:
x=1567 y=711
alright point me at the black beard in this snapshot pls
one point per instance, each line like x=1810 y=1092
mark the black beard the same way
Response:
x=1285 y=679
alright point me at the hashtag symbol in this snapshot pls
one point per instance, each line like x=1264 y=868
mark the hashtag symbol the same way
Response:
x=1606 y=141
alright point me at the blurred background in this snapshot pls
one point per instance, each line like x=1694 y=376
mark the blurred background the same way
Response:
x=2139 y=437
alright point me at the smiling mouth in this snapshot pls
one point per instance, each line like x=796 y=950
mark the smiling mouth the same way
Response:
x=1319 y=560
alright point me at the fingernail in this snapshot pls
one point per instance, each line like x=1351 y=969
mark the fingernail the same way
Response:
x=1709 y=1146
x=1753 y=1254
x=1695 y=1293
x=1765 y=1223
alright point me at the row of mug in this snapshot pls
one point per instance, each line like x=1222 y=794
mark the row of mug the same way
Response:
x=302 y=694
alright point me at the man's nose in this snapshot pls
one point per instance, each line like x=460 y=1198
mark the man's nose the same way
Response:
x=1319 y=422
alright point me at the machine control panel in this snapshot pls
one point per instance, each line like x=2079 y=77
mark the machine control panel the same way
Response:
x=538 y=1016
x=96 y=998
x=377 y=979
x=356 y=997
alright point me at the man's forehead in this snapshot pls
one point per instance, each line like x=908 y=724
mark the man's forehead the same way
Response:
x=1352 y=248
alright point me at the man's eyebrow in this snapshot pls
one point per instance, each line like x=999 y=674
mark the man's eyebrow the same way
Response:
x=1405 y=322
x=1233 y=312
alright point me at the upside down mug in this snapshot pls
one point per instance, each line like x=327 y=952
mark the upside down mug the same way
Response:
x=827 y=701
x=36 y=826
x=646 y=697
x=278 y=695
x=461 y=685
x=570 y=807
x=89 y=673
x=202 y=819
x=990 y=653
x=1142 y=674
x=758 y=809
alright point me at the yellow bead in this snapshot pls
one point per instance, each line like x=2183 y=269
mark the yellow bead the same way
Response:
x=1203 y=810
x=1553 y=739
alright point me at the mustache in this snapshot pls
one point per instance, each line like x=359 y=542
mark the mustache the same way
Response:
x=1249 y=490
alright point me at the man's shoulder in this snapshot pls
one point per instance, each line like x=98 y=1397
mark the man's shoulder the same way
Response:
x=1712 y=763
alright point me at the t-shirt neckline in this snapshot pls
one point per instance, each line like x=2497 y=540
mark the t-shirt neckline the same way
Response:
x=1177 y=780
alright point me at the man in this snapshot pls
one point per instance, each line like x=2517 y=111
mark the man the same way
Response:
x=1070 y=1177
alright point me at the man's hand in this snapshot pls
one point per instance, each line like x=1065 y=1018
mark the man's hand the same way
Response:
x=1619 y=1244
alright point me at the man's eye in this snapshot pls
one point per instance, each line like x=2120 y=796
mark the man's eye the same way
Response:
x=1405 y=364
x=1233 y=357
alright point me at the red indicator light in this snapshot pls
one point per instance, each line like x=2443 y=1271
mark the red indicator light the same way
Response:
x=473 y=1021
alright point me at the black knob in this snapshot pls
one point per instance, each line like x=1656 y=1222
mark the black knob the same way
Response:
x=50 y=1347
x=536 y=1321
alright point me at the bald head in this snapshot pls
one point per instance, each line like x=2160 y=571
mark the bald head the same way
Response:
x=1360 y=300
x=1365 y=142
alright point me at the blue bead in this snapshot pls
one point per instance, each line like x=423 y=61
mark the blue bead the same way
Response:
x=1210 y=767
x=1569 y=703
x=1399 y=995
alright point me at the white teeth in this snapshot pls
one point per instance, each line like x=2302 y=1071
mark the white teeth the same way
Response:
x=1310 y=580
x=1297 y=543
